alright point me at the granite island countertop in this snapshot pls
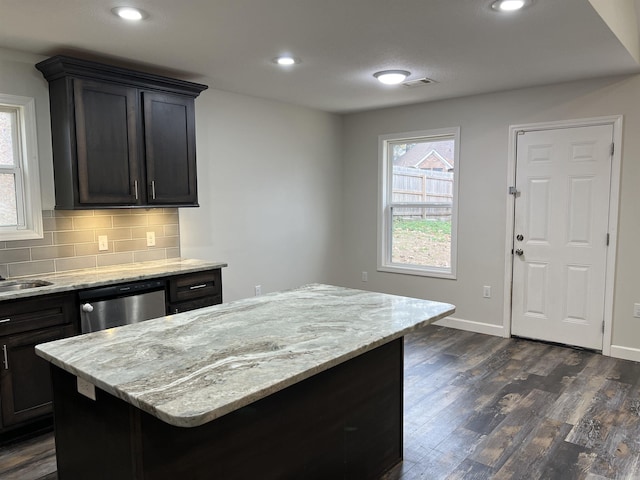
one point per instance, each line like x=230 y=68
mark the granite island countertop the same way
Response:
x=191 y=368
x=100 y=276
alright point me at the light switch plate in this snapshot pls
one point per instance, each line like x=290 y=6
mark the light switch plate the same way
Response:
x=103 y=243
x=151 y=239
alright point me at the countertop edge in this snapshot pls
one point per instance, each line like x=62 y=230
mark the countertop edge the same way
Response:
x=201 y=419
x=64 y=282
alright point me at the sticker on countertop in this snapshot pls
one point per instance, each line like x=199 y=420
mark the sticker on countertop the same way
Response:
x=87 y=389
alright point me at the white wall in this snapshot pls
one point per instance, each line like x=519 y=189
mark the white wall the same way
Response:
x=621 y=17
x=18 y=76
x=270 y=193
x=484 y=122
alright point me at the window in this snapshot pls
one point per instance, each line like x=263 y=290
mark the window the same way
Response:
x=418 y=202
x=20 y=208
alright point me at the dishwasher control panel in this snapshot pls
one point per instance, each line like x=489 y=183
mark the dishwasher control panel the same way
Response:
x=122 y=289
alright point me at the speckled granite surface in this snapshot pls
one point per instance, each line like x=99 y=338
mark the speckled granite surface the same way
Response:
x=95 y=277
x=191 y=368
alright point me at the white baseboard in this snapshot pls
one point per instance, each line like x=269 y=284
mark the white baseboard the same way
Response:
x=617 y=351
x=471 y=326
x=626 y=353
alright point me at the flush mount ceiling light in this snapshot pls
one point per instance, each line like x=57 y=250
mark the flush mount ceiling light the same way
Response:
x=286 y=60
x=509 y=5
x=391 y=77
x=129 y=13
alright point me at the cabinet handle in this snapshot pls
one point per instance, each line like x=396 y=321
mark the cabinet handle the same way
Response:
x=6 y=359
x=153 y=189
x=6 y=320
x=195 y=287
x=135 y=186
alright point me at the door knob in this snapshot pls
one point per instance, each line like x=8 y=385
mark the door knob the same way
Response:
x=87 y=307
x=519 y=252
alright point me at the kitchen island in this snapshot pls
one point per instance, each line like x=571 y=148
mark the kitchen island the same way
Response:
x=305 y=383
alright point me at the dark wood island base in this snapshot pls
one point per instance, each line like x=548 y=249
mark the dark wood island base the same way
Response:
x=345 y=422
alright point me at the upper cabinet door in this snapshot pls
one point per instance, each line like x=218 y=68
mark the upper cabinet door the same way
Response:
x=169 y=141
x=120 y=137
x=107 y=151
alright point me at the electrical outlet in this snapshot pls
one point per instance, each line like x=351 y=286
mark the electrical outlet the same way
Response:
x=151 y=239
x=636 y=310
x=258 y=290
x=103 y=243
x=486 y=291
x=365 y=277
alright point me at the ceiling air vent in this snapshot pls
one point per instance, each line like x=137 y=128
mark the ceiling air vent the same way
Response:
x=418 y=82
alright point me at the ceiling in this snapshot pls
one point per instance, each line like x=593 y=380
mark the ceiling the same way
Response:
x=464 y=45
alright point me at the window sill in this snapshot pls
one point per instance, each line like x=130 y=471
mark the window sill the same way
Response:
x=23 y=234
x=417 y=271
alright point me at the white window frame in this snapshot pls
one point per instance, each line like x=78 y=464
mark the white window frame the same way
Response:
x=385 y=176
x=29 y=204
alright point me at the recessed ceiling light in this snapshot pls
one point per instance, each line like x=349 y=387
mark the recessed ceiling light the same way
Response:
x=509 y=5
x=286 y=60
x=391 y=77
x=129 y=13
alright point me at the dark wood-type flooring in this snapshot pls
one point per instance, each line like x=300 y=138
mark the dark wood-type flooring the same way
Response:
x=482 y=407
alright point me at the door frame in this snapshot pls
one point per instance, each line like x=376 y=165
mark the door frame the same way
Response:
x=614 y=201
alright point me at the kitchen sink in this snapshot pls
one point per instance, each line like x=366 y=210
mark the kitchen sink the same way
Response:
x=11 y=285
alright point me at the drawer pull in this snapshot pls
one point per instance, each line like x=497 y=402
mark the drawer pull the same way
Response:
x=6 y=320
x=196 y=287
x=6 y=360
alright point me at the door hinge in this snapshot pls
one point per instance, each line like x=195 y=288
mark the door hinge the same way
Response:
x=613 y=148
x=607 y=239
x=603 y=326
x=520 y=132
x=513 y=191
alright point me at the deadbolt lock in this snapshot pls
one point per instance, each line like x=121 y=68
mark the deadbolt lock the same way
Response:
x=519 y=237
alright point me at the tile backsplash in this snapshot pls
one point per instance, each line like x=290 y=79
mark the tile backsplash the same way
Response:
x=70 y=241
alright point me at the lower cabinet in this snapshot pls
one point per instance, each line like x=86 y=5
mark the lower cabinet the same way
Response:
x=25 y=385
x=194 y=290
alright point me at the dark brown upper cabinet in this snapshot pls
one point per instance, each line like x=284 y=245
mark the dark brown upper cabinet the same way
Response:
x=121 y=138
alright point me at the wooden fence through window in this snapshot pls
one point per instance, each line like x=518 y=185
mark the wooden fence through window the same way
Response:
x=432 y=189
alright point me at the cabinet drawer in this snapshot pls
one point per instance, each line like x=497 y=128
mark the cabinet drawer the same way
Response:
x=18 y=316
x=195 y=285
x=193 y=304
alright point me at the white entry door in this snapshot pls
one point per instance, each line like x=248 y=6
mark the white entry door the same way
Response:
x=560 y=235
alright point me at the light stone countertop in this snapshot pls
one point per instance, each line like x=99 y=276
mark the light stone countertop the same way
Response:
x=100 y=276
x=191 y=368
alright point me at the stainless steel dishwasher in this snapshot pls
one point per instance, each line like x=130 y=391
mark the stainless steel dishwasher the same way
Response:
x=122 y=304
